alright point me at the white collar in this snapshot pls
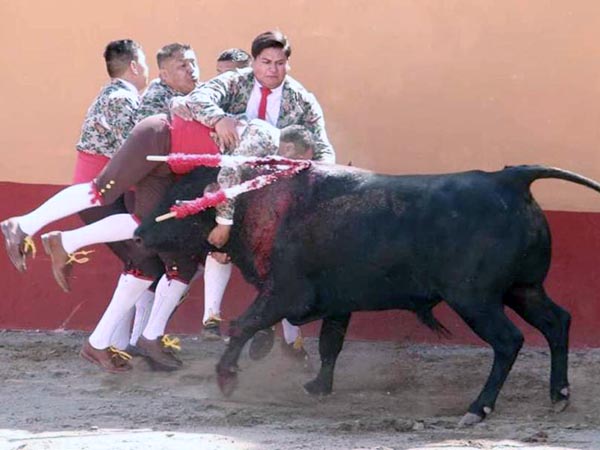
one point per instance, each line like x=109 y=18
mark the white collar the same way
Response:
x=276 y=91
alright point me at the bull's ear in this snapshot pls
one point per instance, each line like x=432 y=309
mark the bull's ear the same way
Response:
x=350 y=162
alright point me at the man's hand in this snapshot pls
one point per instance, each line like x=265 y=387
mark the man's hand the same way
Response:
x=219 y=235
x=180 y=108
x=220 y=257
x=226 y=130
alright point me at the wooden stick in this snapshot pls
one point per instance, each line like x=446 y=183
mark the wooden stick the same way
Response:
x=157 y=158
x=166 y=216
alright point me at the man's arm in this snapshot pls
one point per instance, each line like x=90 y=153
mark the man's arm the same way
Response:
x=256 y=141
x=208 y=102
x=315 y=123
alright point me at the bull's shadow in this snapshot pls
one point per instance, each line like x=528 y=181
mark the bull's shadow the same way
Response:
x=334 y=239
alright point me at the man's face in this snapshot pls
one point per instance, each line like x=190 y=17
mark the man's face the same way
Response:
x=270 y=67
x=181 y=71
x=141 y=71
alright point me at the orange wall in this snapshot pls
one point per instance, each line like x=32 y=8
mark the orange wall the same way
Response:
x=407 y=86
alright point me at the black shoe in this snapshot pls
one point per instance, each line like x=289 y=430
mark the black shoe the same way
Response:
x=262 y=343
x=212 y=329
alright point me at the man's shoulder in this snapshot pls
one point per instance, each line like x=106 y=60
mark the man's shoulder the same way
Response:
x=297 y=91
x=234 y=78
x=294 y=85
x=157 y=87
x=117 y=92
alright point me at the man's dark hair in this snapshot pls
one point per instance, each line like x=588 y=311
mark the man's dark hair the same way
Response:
x=271 y=39
x=237 y=55
x=119 y=54
x=299 y=136
x=169 y=51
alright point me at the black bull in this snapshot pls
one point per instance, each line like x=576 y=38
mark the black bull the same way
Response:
x=334 y=240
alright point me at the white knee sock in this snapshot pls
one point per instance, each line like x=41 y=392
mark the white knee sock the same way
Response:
x=62 y=204
x=168 y=293
x=143 y=306
x=126 y=293
x=118 y=227
x=120 y=337
x=216 y=277
x=290 y=332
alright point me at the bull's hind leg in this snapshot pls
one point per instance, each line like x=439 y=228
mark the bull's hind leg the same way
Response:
x=331 y=340
x=537 y=309
x=486 y=318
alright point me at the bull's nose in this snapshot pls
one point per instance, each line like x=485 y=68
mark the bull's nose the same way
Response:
x=138 y=240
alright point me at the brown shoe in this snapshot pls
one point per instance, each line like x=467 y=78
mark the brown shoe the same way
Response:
x=18 y=244
x=54 y=248
x=110 y=359
x=296 y=352
x=160 y=352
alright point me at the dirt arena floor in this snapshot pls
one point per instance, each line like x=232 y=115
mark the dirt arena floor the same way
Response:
x=386 y=396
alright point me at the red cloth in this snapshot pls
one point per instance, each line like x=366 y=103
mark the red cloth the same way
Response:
x=262 y=106
x=88 y=166
x=190 y=136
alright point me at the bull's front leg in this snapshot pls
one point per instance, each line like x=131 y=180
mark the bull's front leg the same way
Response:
x=331 y=340
x=258 y=316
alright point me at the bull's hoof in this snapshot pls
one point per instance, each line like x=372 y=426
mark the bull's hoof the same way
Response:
x=228 y=381
x=261 y=344
x=316 y=387
x=560 y=405
x=469 y=419
x=560 y=399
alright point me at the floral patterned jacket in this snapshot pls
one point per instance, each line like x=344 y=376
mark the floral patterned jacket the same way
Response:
x=228 y=94
x=156 y=99
x=258 y=138
x=109 y=119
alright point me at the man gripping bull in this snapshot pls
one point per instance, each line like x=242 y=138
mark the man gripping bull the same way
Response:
x=263 y=91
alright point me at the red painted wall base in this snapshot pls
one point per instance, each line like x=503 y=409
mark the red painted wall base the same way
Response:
x=34 y=301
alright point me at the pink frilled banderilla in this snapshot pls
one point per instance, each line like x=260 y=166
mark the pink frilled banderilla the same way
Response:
x=182 y=163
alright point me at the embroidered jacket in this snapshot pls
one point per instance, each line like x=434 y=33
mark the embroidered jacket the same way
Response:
x=258 y=138
x=228 y=94
x=109 y=119
x=156 y=99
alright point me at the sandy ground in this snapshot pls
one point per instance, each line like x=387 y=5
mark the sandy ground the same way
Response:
x=386 y=396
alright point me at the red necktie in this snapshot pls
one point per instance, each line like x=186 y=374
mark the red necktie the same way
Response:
x=262 y=107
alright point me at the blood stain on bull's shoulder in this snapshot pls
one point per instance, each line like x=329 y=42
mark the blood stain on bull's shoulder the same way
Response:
x=260 y=225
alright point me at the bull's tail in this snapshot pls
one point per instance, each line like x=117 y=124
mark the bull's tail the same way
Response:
x=426 y=317
x=528 y=174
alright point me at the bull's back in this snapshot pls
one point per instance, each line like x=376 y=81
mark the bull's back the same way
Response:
x=377 y=236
